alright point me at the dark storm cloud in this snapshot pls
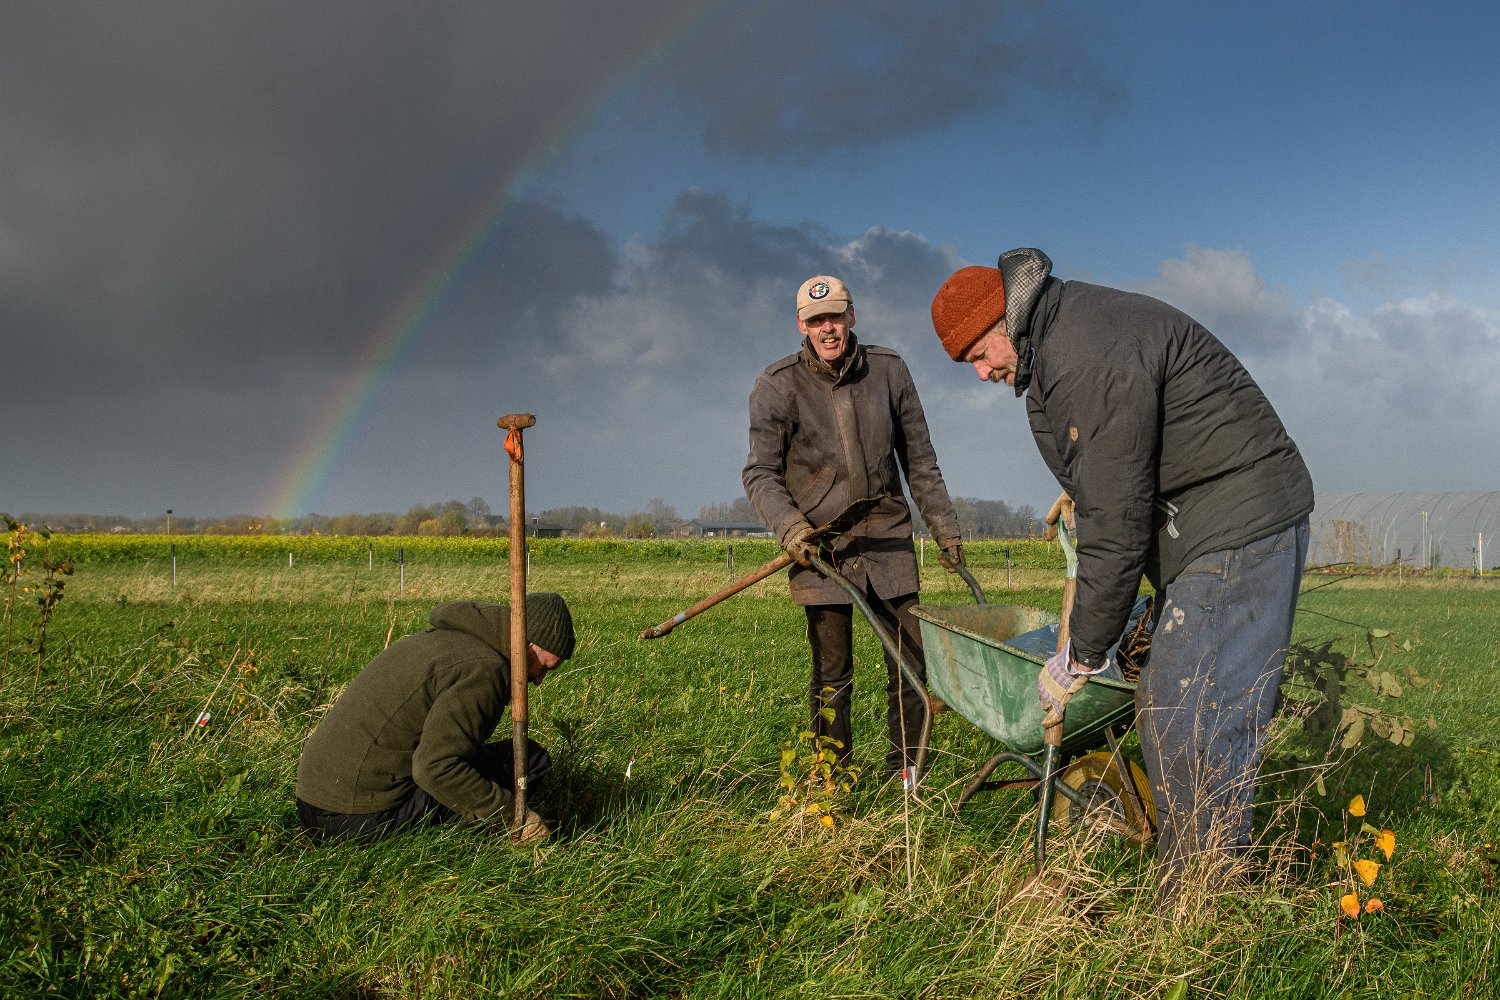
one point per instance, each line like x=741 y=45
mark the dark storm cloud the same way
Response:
x=208 y=181
x=798 y=79
x=207 y=209
x=203 y=173
x=718 y=280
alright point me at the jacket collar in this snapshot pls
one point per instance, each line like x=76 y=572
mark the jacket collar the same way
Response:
x=1025 y=272
x=854 y=361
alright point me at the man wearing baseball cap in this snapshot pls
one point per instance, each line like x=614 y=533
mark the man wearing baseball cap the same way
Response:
x=1181 y=472
x=837 y=422
x=405 y=744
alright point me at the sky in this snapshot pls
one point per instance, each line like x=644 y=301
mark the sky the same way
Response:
x=275 y=258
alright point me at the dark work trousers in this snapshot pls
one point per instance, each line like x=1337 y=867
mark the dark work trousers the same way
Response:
x=1205 y=702
x=496 y=762
x=830 y=633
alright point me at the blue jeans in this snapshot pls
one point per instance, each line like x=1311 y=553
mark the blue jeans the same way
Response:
x=1206 y=699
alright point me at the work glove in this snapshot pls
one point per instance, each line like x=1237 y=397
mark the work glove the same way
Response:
x=801 y=545
x=1062 y=510
x=534 y=829
x=1060 y=679
x=952 y=557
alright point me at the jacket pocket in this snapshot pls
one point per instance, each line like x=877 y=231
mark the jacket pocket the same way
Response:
x=1209 y=564
x=1282 y=541
x=807 y=495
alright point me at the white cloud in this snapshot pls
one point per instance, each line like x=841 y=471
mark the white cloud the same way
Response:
x=1221 y=290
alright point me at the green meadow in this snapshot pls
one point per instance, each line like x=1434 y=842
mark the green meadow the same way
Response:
x=145 y=855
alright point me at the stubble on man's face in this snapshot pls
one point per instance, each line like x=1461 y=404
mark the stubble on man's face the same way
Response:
x=994 y=356
x=828 y=333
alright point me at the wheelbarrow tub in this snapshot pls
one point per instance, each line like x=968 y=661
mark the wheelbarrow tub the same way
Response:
x=974 y=667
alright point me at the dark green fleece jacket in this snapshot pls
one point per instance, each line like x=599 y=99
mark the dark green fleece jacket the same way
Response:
x=415 y=716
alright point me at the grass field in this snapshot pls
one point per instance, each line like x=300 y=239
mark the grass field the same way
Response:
x=146 y=856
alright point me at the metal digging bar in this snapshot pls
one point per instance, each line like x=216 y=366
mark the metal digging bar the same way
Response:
x=847 y=518
x=514 y=424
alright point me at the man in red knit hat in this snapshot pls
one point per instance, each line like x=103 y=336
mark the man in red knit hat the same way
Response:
x=1181 y=472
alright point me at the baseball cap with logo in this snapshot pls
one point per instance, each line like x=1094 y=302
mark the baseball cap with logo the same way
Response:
x=821 y=294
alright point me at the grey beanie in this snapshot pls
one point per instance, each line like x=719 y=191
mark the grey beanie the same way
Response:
x=549 y=624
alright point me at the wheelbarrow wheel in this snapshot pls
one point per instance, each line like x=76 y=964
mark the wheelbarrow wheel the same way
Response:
x=1112 y=806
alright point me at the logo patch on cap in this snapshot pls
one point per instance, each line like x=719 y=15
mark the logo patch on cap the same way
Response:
x=819 y=290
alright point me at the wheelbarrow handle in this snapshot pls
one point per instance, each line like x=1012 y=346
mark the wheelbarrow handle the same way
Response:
x=775 y=565
x=968 y=577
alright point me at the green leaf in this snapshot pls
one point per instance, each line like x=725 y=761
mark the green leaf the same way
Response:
x=1381 y=633
x=1354 y=734
x=1176 y=991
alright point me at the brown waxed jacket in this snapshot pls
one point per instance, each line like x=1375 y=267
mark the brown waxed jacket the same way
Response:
x=820 y=440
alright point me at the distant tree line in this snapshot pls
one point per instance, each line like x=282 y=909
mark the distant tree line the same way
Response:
x=977 y=519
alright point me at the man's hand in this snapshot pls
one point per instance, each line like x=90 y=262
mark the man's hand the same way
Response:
x=1063 y=510
x=801 y=545
x=534 y=829
x=1060 y=679
x=952 y=557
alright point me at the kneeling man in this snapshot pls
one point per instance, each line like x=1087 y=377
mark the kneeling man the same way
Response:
x=405 y=744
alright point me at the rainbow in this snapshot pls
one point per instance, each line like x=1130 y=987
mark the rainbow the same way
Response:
x=305 y=474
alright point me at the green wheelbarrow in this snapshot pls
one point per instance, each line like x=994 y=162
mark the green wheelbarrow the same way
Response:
x=983 y=662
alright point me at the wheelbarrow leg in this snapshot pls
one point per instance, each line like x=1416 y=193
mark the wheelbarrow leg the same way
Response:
x=980 y=781
x=1044 y=809
x=1052 y=736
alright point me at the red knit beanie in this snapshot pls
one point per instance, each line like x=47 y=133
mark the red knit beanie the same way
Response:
x=970 y=302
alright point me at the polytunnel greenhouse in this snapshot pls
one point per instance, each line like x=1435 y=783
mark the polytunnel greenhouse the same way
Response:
x=1457 y=530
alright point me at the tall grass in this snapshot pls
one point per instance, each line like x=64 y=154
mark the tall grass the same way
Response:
x=144 y=855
